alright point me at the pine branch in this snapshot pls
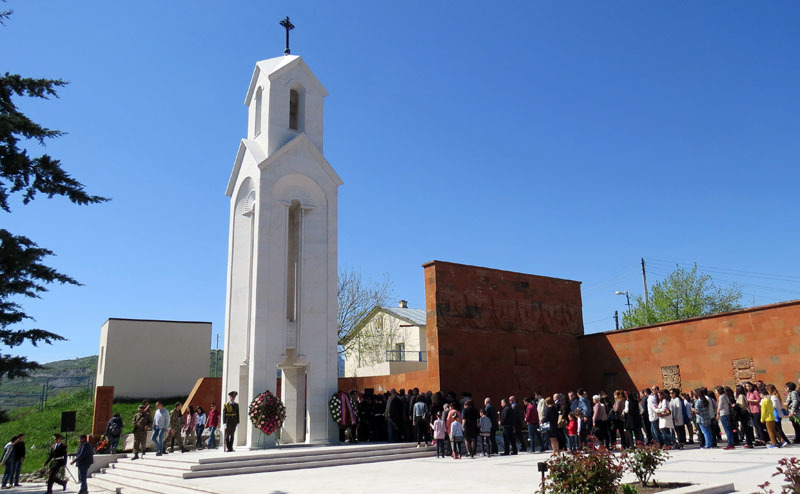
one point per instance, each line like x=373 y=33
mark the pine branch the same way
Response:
x=19 y=172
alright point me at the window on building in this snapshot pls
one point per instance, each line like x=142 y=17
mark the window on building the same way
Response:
x=294 y=109
x=257 y=123
x=400 y=351
x=293 y=259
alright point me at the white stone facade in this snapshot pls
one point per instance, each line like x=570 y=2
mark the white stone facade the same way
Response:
x=388 y=341
x=282 y=260
x=151 y=359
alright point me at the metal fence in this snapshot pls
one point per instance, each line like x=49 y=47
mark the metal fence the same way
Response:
x=405 y=356
x=50 y=388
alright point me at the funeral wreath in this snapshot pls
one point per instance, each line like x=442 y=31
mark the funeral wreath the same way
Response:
x=267 y=412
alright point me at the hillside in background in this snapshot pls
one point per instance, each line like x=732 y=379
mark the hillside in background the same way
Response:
x=69 y=376
x=66 y=376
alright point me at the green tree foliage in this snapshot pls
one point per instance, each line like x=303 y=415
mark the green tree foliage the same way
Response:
x=22 y=273
x=683 y=294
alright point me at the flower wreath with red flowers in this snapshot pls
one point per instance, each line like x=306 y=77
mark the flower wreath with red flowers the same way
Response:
x=267 y=412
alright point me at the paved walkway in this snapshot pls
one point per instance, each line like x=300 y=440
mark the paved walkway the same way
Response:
x=507 y=474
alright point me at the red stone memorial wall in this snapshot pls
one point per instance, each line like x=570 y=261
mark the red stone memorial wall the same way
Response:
x=758 y=343
x=206 y=390
x=493 y=333
x=502 y=333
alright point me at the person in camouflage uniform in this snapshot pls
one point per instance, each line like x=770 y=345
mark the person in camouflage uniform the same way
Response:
x=175 y=425
x=142 y=422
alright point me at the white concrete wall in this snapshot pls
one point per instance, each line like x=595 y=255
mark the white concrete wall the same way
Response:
x=153 y=359
x=389 y=368
x=381 y=333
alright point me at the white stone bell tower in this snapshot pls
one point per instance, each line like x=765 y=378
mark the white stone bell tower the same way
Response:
x=282 y=256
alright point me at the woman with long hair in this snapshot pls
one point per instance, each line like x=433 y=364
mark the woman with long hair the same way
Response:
x=703 y=415
x=777 y=404
x=793 y=406
x=754 y=407
x=615 y=424
x=200 y=426
x=633 y=418
x=665 y=423
x=551 y=418
x=743 y=416
x=600 y=420
x=724 y=415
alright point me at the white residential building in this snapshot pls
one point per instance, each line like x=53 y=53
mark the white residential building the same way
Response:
x=389 y=340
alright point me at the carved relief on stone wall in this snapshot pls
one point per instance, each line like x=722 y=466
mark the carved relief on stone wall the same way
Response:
x=743 y=370
x=478 y=310
x=671 y=376
x=496 y=311
x=505 y=313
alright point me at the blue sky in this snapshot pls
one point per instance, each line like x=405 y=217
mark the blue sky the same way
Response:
x=565 y=139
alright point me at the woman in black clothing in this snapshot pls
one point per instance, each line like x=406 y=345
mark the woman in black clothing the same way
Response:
x=551 y=418
x=633 y=417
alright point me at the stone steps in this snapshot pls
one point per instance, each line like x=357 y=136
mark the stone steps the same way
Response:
x=168 y=474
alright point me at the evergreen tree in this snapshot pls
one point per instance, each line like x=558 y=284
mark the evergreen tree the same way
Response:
x=682 y=295
x=22 y=273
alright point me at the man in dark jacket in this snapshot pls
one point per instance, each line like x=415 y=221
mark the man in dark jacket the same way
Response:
x=114 y=432
x=490 y=412
x=519 y=422
x=57 y=460
x=507 y=420
x=84 y=458
x=394 y=416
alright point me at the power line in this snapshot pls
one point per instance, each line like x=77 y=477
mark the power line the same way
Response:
x=732 y=271
x=661 y=271
x=598 y=320
x=610 y=281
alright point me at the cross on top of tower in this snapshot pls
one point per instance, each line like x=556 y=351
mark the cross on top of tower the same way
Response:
x=287 y=24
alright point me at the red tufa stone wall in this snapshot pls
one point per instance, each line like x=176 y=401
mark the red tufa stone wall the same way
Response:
x=205 y=391
x=103 y=403
x=493 y=333
x=751 y=344
x=501 y=332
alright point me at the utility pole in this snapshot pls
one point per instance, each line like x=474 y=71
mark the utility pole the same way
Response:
x=616 y=318
x=216 y=356
x=646 y=300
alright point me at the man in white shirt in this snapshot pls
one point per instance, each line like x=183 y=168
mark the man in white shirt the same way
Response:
x=652 y=404
x=160 y=426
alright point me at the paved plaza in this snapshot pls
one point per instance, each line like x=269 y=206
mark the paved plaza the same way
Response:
x=510 y=474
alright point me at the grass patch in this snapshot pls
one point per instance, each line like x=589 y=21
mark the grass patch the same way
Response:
x=39 y=427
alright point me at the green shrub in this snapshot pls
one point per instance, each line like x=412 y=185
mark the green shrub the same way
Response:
x=643 y=462
x=593 y=472
x=629 y=489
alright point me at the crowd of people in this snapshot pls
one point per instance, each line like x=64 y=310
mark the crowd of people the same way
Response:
x=177 y=427
x=749 y=415
x=184 y=427
x=14 y=455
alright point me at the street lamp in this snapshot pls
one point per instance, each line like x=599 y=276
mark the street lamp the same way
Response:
x=627 y=297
